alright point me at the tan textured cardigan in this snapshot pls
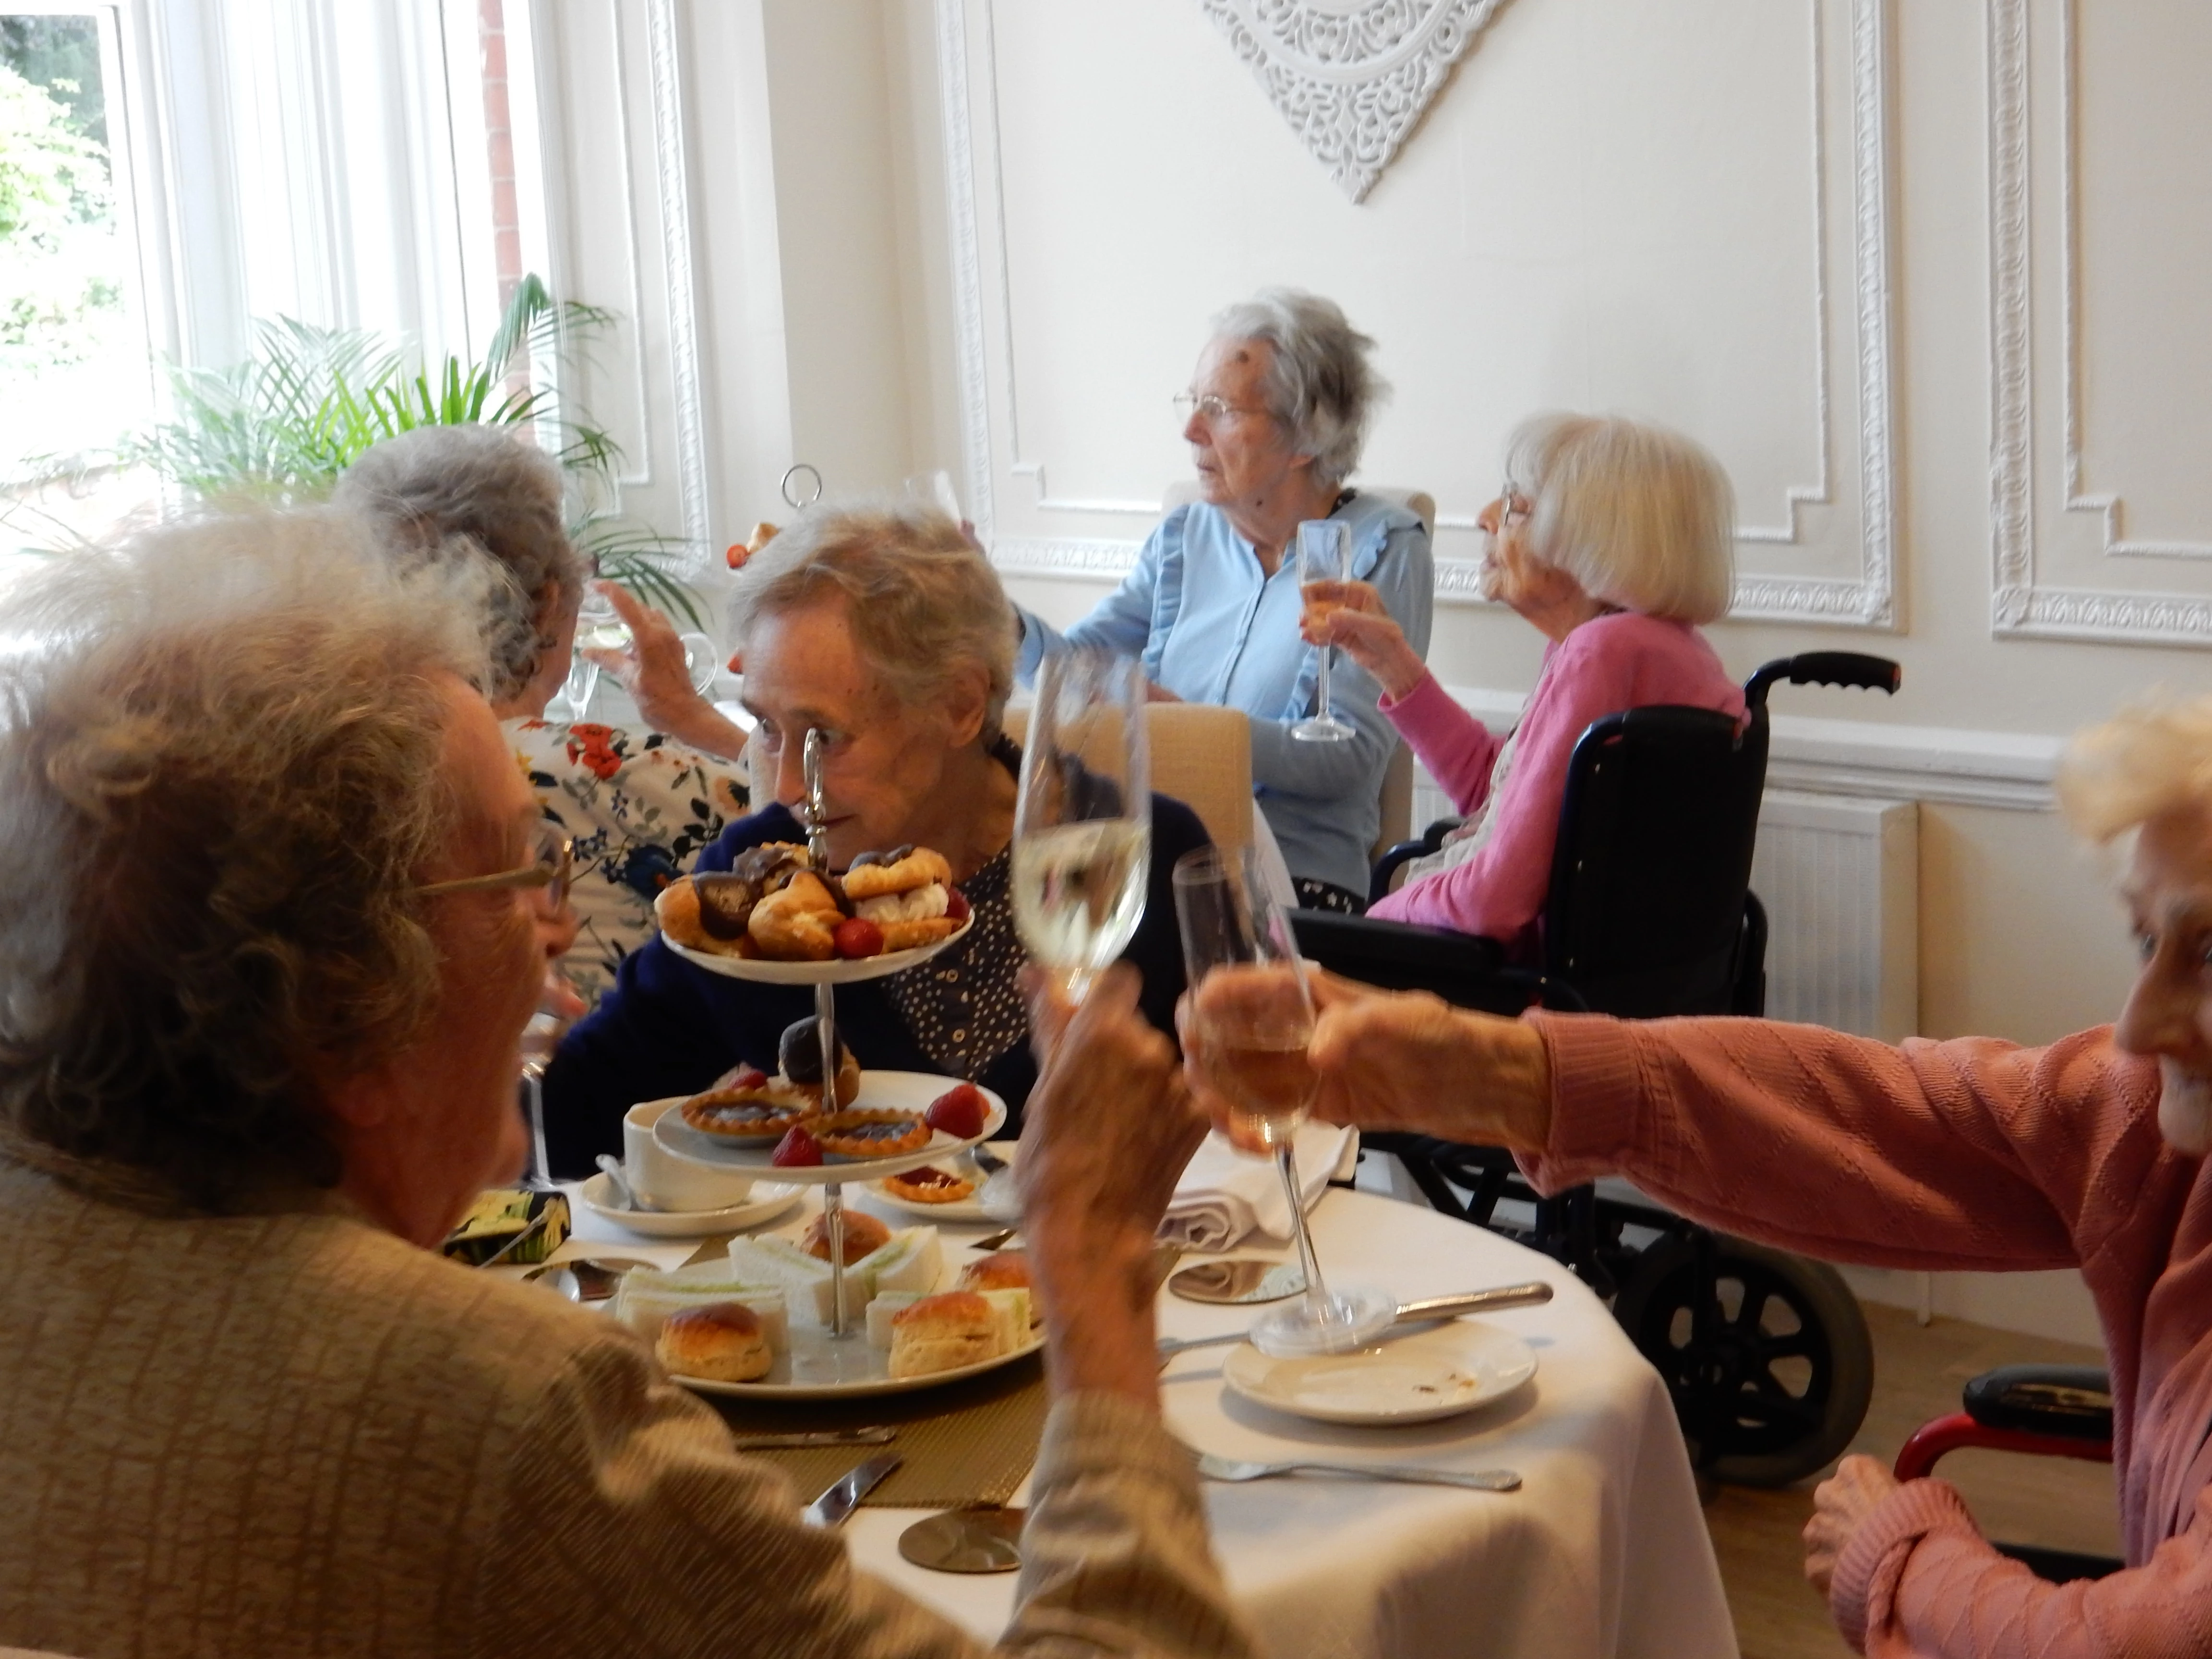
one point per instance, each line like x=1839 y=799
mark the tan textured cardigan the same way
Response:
x=293 y=1433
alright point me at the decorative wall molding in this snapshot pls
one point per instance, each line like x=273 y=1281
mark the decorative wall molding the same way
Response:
x=1353 y=79
x=2021 y=604
x=988 y=376
x=1873 y=759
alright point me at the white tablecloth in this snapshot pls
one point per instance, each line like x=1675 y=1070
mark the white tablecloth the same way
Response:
x=1602 y=1551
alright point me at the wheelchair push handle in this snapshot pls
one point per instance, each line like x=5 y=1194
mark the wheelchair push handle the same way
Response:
x=1853 y=670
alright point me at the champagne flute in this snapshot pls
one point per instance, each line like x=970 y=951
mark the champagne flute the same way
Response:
x=1324 y=556
x=599 y=627
x=1083 y=818
x=935 y=489
x=1254 y=1021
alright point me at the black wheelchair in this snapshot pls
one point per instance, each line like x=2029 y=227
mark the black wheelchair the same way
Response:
x=1649 y=913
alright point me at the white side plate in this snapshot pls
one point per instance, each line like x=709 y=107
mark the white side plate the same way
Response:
x=1410 y=1379
x=767 y=1197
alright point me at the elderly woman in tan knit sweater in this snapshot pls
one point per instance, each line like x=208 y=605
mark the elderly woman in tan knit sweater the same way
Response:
x=2089 y=1153
x=274 y=912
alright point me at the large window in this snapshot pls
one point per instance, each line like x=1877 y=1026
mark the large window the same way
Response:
x=76 y=367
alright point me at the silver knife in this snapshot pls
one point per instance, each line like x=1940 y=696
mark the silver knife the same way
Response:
x=874 y=1435
x=846 y=1492
x=1535 y=1292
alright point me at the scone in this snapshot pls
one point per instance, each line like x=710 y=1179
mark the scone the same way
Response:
x=797 y=922
x=864 y=1235
x=941 y=1333
x=721 y=1342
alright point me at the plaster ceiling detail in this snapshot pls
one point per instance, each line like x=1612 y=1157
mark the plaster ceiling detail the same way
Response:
x=1353 y=77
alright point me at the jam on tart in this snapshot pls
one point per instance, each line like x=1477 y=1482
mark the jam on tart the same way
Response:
x=865 y=1134
x=761 y=1115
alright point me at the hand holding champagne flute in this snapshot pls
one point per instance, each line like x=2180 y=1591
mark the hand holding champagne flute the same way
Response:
x=1324 y=556
x=1351 y=615
x=1251 y=1020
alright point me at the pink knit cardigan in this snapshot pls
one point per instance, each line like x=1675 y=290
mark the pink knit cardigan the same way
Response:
x=1971 y=1154
x=1621 y=660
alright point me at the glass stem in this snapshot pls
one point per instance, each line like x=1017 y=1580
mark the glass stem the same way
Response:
x=1321 y=701
x=1080 y=981
x=1287 y=1164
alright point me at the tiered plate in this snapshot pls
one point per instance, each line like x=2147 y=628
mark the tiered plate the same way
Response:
x=893 y=1091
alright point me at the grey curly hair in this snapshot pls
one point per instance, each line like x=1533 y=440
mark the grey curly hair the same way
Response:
x=219 y=773
x=922 y=598
x=1320 y=383
x=438 y=489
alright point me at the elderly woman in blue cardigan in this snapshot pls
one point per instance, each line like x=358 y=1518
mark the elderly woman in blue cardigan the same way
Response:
x=1277 y=411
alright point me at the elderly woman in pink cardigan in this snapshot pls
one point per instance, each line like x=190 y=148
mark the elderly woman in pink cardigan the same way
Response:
x=1613 y=537
x=2089 y=1153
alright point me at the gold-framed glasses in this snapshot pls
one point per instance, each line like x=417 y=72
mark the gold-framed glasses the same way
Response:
x=552 y=856
x=1206 y=407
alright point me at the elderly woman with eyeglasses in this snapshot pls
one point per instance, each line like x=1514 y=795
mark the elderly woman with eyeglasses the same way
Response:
x=1613 y=537
x=638 y=806
x=1276 y=415
x=889 y=632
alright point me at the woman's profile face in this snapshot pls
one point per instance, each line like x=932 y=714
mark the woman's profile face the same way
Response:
x=1239 y=451
x=884 y=759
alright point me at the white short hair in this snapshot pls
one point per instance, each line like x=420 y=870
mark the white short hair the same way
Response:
x=1643 y=517
x=1319 y=383
x=2151 y=759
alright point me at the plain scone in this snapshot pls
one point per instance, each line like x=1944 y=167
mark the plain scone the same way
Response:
x=942 y=1333
x=722 y=1342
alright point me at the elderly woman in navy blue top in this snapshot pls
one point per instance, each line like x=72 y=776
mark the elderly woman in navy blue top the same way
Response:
x=1279 y=408
x=888 y=631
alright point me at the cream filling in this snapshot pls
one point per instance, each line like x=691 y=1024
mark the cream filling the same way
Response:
x=923 y=903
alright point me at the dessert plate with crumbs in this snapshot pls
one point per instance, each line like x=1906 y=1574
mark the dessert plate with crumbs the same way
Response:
x=1409 y=1379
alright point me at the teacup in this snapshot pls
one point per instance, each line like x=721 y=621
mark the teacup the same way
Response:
x=668 y=1184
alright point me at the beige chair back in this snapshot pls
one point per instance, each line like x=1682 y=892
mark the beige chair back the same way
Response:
x=1202 y=755
x=1418 y=503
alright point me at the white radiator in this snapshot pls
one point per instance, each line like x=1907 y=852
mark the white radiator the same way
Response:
x=1839 y=876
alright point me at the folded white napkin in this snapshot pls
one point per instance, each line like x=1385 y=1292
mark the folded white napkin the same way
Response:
x=1226 y=1195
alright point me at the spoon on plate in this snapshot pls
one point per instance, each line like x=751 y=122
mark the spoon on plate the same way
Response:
x=1233 y=1469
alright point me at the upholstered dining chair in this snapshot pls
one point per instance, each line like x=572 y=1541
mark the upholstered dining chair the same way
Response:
x=1202 y=755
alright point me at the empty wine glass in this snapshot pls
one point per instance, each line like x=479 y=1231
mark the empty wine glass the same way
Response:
x=1324 y=556
x=1254 y=1019
x=934 y=489
x=1083 y=820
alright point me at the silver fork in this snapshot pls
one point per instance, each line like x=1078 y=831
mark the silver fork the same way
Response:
x=1230 y=1468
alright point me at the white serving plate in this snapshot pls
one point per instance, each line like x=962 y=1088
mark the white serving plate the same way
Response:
x=845 y=1368
x=767 y=1197
x=881 y=1091
x=818 y=1366
x=1411 y=1379
x=762 y=971
x=965 y=1210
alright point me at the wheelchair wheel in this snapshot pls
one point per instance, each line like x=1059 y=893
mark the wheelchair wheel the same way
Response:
x=1780 y=1382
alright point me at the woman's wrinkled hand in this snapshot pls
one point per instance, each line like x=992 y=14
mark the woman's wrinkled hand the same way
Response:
x=1843 y=1502
x=1350 y=616
x=1109 y=1126
x=656 y=672
x=1407 y=1060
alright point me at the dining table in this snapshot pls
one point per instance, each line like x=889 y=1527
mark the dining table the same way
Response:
x=1602 y=1551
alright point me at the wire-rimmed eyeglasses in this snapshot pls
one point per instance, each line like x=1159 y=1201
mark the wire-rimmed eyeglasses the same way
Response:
x=1213 y=409
x=552 y=858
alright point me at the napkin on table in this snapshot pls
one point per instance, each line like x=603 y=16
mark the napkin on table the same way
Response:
x=1223 y=1194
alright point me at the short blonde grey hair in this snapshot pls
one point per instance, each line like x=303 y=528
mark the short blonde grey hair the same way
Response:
x=220 y=752
x=456 y=492
x=1319 y=383
x=1643 y=517
x=2151 y=759
x=921 y=597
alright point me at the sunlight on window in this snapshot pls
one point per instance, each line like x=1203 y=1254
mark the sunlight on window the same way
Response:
x=75 y=367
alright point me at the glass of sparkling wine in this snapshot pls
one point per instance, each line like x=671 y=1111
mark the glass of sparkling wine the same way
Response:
x=599 y=627
x=1254 y=1019
x=1083 y=819
x=1324 y=556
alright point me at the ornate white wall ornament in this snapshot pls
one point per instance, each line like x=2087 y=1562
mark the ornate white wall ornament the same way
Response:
x=1353 y=77
x=2023 y=603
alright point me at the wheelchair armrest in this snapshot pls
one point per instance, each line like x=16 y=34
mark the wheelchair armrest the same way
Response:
x=1378 y=883
x=2072 y=1401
